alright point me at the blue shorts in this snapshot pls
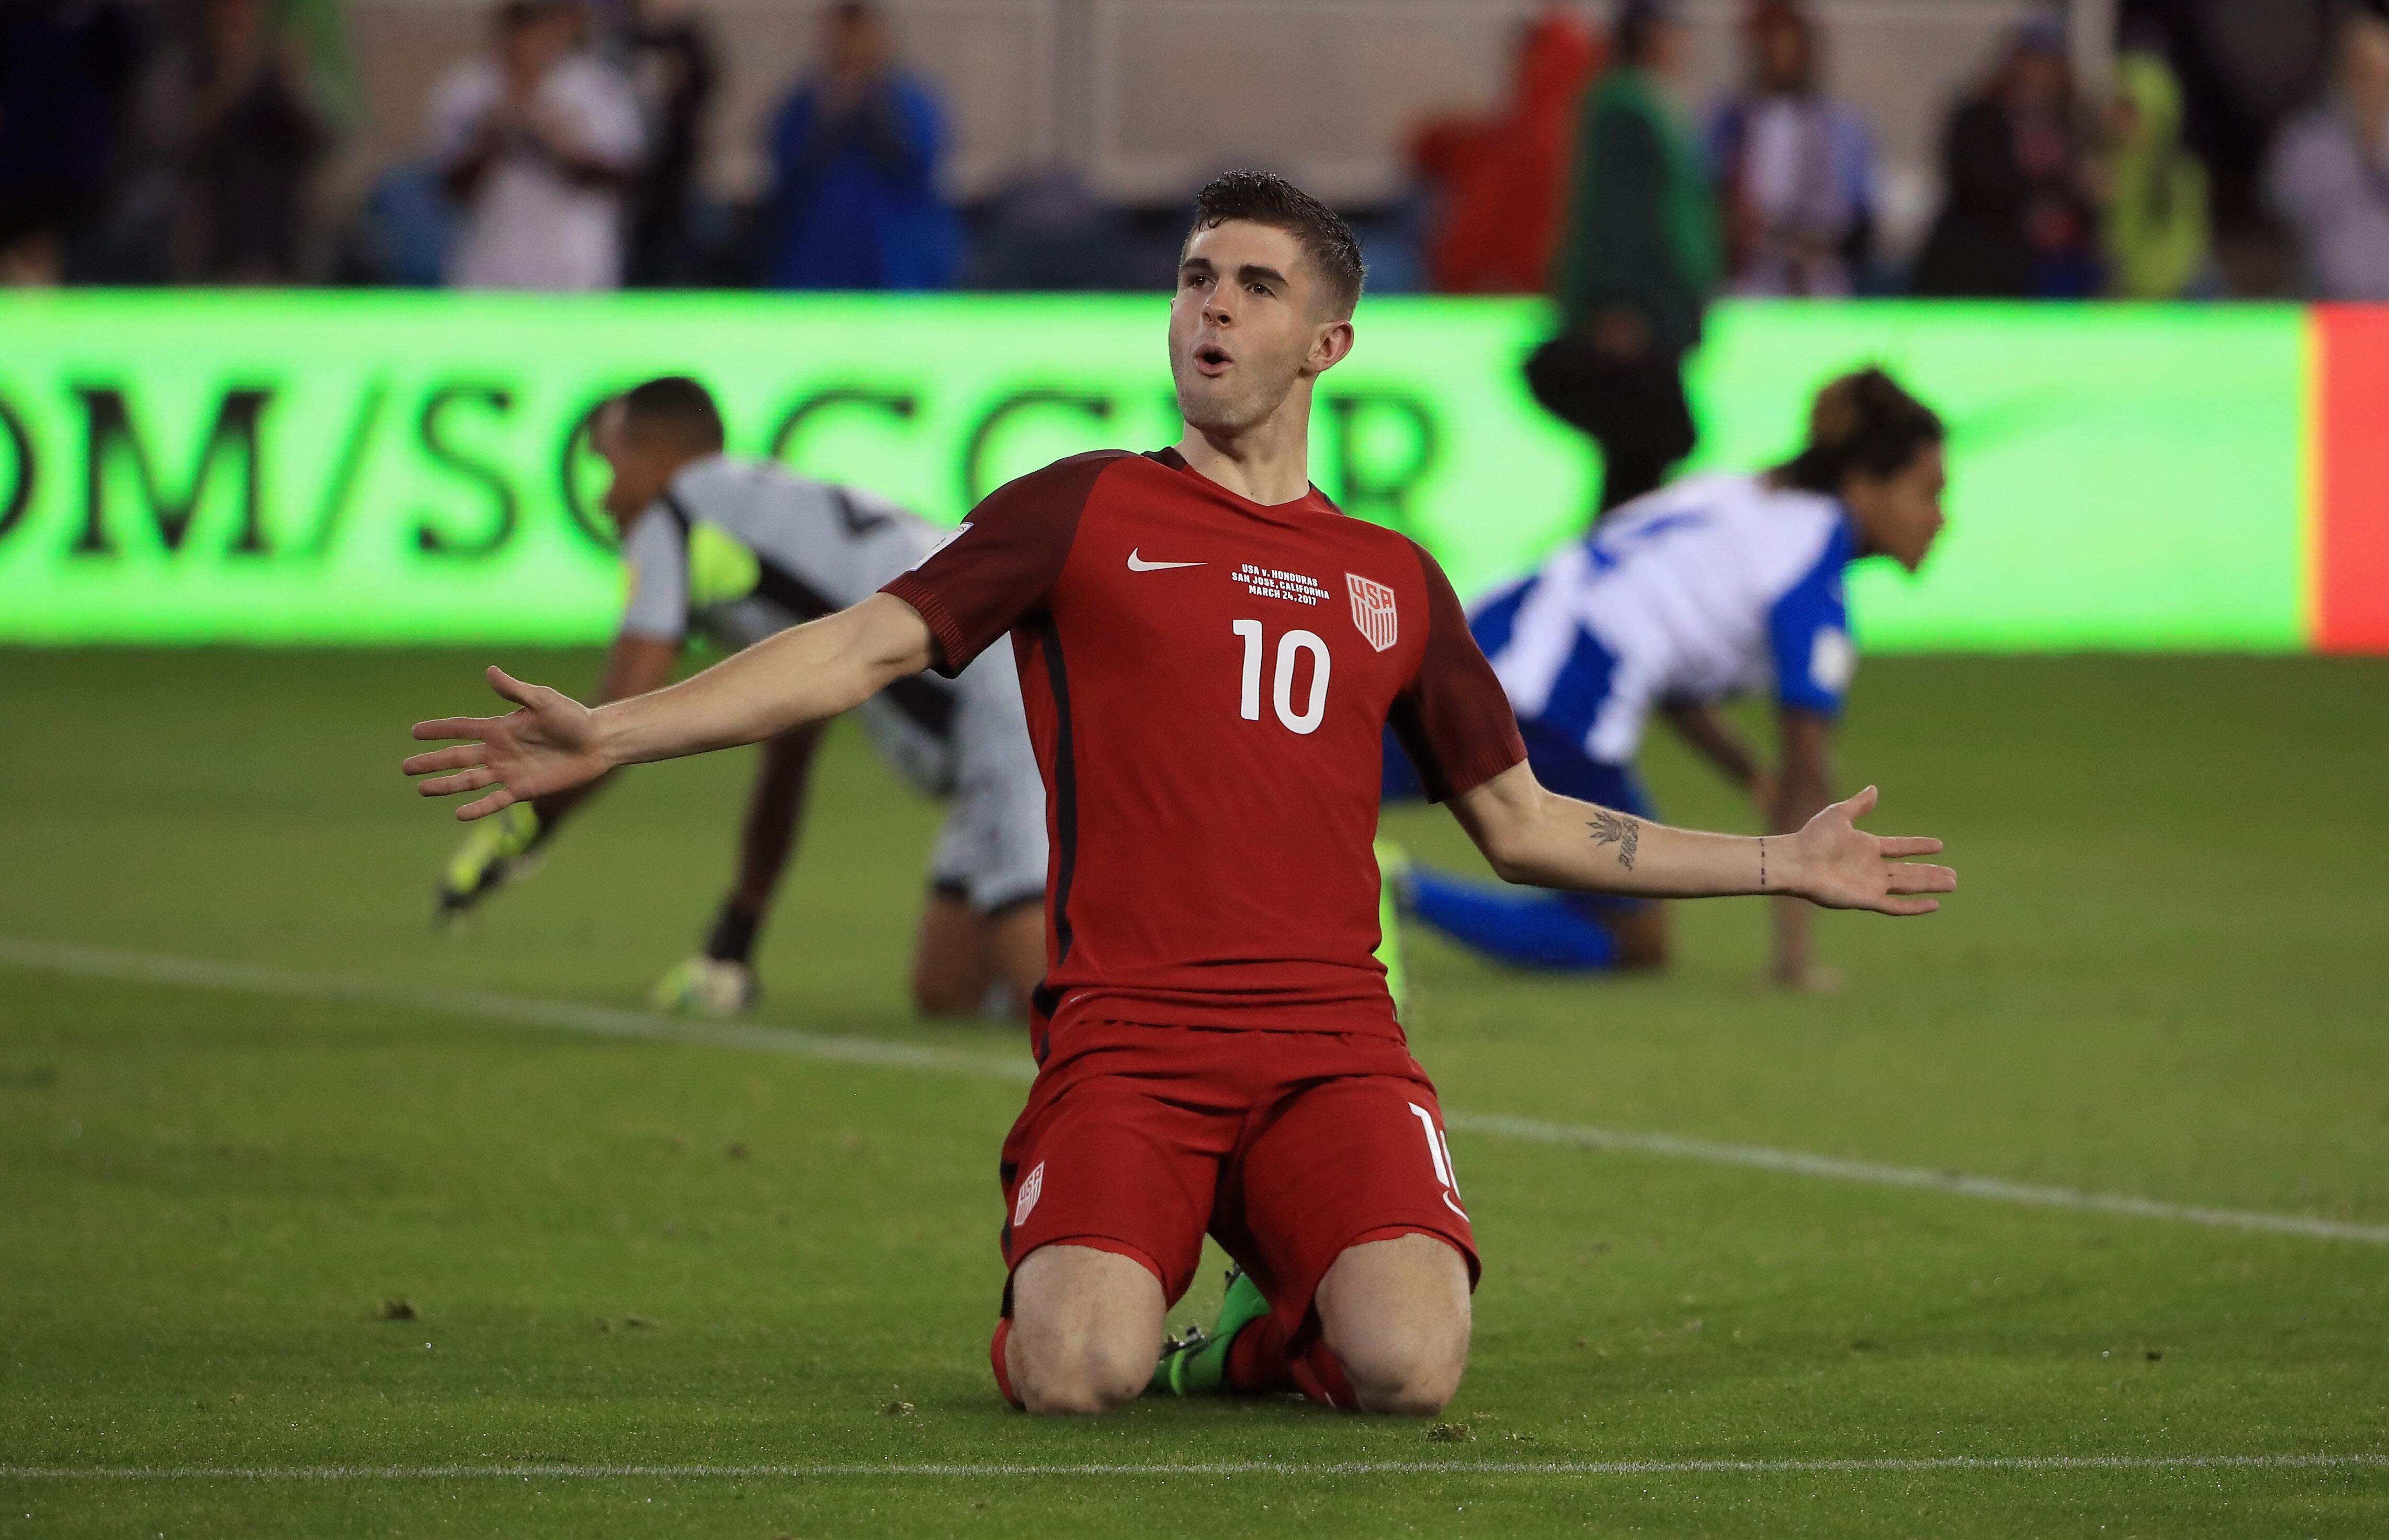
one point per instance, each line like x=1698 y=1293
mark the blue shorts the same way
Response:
x=1561 y=764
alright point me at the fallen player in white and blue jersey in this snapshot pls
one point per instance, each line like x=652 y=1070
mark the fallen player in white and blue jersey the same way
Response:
x=1713 y=586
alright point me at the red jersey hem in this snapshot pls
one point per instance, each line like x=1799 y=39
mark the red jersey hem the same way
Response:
x=1485 y=767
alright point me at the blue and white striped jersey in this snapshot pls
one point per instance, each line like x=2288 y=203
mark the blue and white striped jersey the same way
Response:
x=1711 y=587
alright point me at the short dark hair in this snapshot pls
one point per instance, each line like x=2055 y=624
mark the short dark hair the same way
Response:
x=1638 y=22
x=677 y=407
x=1861 y=422
x=514 y=15
x=1263 y=197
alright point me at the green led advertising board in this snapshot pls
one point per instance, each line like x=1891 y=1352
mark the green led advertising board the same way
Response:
x=185 y=467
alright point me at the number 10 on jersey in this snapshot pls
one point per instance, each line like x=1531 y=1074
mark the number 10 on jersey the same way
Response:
x=1290 y=648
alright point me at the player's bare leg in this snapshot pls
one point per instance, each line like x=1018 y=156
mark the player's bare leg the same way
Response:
x=1017 y=937
x=721 y=981
x=1396 y=1314
x=963 y=954
x=954 y=960
x=768 y=836
x=1086 y=1330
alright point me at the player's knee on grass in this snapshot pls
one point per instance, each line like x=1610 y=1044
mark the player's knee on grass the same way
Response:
x=966 y=955
x=951 y=966
x=943 y=991
x=1086 y=1330
x=1396 y=1314
x=1016 y=938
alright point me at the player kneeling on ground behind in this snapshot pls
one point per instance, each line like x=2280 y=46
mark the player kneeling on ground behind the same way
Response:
x=1715 y=586
x=740 y=550
x=1210 y=653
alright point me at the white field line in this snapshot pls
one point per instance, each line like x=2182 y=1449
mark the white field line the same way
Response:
x=1956 y=1182
x=514 y=1009
x=524 y=1010
x=2028 y=1463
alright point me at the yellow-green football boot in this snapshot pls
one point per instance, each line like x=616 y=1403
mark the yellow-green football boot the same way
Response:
x=1196 y=1361
x=496 y=848
x=706 y=986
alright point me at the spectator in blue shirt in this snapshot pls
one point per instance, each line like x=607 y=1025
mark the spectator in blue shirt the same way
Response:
x=854 y=198
x=1794 y=167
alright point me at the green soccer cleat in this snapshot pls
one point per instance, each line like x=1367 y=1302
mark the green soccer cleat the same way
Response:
x=500 y=846
x=706 y=986
x=1196 y=1361
x=1393 y=876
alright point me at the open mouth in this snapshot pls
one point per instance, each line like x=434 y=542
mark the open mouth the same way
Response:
x=1211 y=358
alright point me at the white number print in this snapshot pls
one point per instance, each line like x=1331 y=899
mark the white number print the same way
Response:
x=1290 y=648
x=1251 y=632
x=1439 y=1152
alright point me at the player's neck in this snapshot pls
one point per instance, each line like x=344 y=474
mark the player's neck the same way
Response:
x=1268 y=463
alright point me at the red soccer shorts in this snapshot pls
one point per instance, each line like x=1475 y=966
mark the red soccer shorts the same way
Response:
x=1288 y=1147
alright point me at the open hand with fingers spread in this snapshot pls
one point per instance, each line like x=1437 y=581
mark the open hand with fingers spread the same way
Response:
x=1839 y=865
x=548 y=744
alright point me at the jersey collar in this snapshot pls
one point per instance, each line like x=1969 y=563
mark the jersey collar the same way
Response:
x=1314 y=500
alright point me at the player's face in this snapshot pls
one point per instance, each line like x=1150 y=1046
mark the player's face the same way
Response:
x=641 y=465
x=1247 y=326
x=1901 y=513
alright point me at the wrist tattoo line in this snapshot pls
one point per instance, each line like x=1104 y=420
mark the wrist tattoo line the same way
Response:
x=1762 y=860
x=1609 y=828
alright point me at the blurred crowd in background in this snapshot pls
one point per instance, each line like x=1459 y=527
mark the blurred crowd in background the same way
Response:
x=187 y=141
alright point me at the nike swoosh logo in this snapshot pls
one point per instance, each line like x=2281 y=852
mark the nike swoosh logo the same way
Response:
x=1138 y=564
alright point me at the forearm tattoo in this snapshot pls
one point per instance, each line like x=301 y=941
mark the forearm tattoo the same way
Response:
x=1609 y=828
x=1762 y=862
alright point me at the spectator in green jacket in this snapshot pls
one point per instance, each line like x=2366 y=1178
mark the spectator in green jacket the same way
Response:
x=2153 y=222
x=1638 y=257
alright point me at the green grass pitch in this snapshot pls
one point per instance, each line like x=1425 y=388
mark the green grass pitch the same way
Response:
x=625 y=1259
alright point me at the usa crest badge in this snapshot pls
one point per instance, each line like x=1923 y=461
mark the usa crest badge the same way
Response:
x=1373 y=611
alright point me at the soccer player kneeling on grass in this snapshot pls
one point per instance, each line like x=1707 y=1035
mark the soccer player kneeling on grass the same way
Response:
x=738 y=550
x=1210 y=653
x=1718 y=585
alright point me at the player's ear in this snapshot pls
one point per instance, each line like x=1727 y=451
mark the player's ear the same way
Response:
x=1329 y=344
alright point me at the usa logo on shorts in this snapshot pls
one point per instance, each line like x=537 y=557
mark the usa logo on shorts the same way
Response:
x=1373 y=611
x=1031 y=1190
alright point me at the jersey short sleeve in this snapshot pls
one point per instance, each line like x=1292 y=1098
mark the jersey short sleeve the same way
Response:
x=1454 y=718
x=1001 y=565
x=655 y=566
x=1808 y=632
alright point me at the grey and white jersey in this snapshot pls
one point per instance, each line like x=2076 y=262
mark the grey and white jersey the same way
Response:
x=737 y=550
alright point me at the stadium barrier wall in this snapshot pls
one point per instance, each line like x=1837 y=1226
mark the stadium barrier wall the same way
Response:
x=366 y=469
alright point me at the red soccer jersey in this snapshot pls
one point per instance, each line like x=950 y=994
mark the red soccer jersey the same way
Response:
x=1207 y=682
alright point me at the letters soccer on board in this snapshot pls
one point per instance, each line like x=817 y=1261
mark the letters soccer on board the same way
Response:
x=1373 y=611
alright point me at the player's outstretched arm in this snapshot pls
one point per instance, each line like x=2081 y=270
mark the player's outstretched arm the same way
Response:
x=551 y=742
x=1537 y=836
